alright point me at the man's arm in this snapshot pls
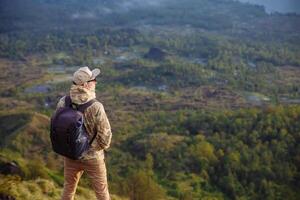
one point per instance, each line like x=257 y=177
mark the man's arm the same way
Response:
x=103 y=128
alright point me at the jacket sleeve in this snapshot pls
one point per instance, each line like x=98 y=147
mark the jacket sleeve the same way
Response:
x=103 y=128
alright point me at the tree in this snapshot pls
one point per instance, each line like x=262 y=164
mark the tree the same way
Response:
x=141 y=186
x=202 y=154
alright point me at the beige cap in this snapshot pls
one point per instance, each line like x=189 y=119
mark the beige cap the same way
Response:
x=84 y=74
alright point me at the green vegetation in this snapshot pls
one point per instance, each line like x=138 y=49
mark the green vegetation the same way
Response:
x=248 y=153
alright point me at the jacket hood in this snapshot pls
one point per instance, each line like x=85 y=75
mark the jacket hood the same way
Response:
x=81 y=95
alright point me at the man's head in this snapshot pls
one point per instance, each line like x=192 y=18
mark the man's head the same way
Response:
x=85 y=77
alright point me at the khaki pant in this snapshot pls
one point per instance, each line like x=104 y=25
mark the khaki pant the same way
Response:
x=96 y=170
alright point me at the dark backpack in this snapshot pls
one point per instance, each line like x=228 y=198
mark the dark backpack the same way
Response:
x=68 y=133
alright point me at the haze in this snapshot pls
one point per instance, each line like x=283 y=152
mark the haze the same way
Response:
x=282 y=6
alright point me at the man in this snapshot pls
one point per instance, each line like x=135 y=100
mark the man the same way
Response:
x=95 y=121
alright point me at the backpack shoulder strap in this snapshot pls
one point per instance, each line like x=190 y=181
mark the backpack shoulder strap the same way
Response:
x=84 y=106
x=68 y=101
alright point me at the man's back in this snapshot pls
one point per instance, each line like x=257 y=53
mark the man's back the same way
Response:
x=95 y=119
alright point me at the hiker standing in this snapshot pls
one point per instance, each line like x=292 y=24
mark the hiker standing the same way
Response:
x=98 y=131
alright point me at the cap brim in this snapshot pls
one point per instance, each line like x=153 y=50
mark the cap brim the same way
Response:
x=95 y=73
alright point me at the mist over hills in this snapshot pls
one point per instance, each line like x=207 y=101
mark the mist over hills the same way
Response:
x=271 y=6
x=53 y=15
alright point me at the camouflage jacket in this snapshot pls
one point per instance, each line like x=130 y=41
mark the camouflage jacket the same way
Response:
x=95 y=120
